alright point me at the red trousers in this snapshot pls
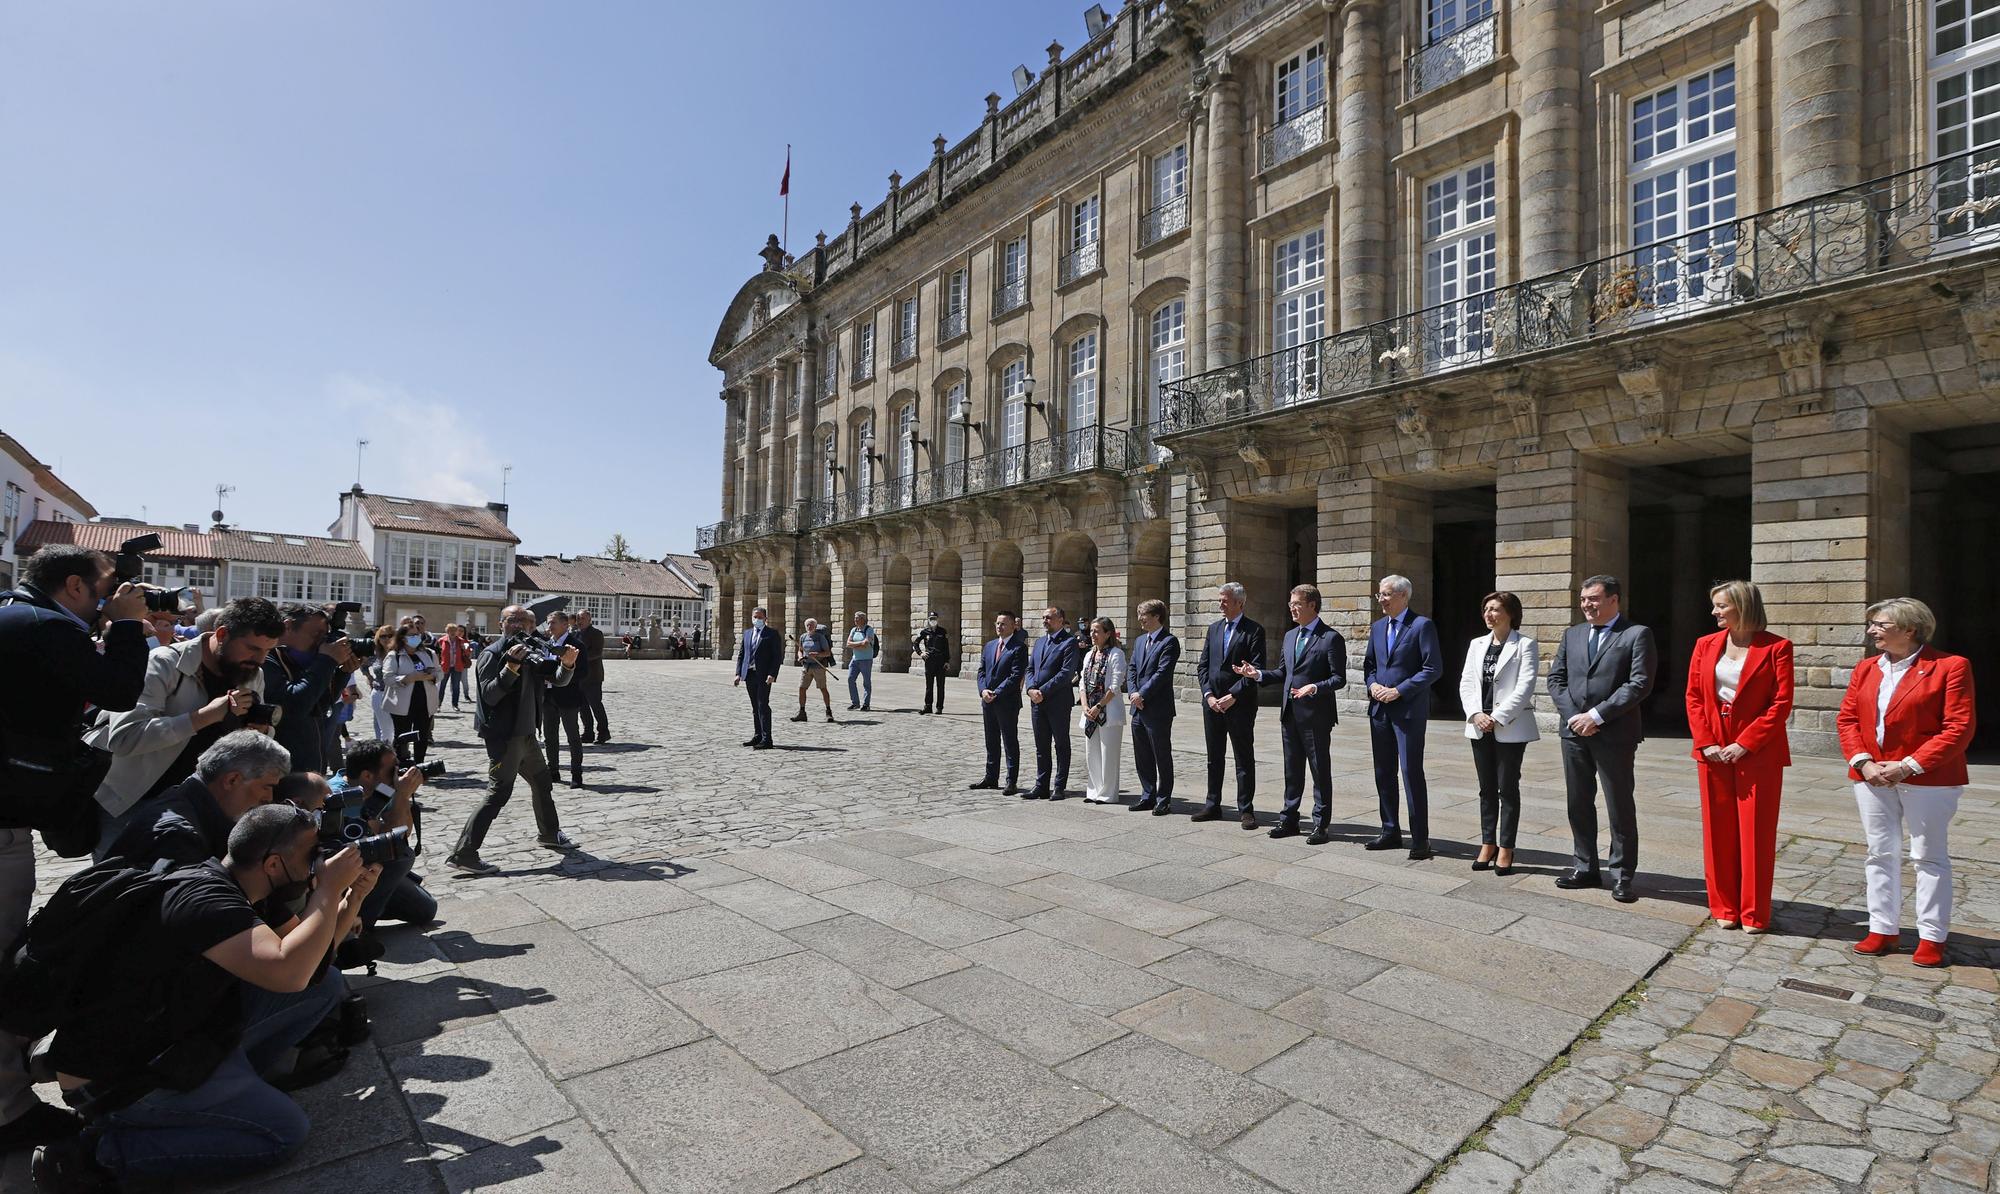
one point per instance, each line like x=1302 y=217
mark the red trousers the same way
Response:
x=1739 y=833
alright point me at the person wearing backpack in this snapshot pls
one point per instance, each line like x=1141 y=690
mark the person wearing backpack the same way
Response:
x=54 y=671
x=158 y=1011
x=863 y=645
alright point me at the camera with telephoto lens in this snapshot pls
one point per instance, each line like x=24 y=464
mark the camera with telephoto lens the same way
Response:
x=352 y=829
x=401 y=746
x=363 y=647
x=130 y=565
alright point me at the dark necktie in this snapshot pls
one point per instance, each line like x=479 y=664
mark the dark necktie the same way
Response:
x=1596 y=642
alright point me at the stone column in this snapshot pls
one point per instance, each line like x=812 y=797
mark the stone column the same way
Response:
x=730 y=405
x=1369 y=529
x=1818 y=61
x=1559 y=516
x=804 y=477
x=1196 y=110
x=973 y=628
x=1222 y=301
x=1548 y=41
x=1360 y=169
x=1830 y=532
x=1200 y=562
x=1115 y=598
x=1035 y=594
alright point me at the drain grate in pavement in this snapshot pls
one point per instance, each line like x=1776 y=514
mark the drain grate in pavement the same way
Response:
x=1799 y=984
x=1914 y=1011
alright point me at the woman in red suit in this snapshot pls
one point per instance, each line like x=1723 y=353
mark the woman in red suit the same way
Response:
x=1905 y=724
x=1739 y=696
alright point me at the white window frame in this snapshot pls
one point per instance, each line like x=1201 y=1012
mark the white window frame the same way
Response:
x=1169 y=176
x=1442 y=18
x=830 y=454
x=1014 y=418
x=1166 y=359
x=864 y=347
x=906 y=449
x=458 y=567
x=1959 y=78
x=1014 y=261
x=1461 y=266
x=1085 y=221
x=1080 y=382
x=1298 y=83
x=864 y=458
x=1298 y=315
x=1683 y=191
x=955 y=284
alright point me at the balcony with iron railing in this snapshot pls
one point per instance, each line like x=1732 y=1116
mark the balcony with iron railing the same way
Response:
x=1080 y=262
x=864 y=368
x=905 y=349
x=1163 y=221
x=1010 y=296
x=829 y=378
x=951 y=325
x=1308 y=130
x=1893 y=224
x=1453 y=55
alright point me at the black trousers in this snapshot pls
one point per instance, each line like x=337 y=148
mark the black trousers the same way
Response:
x=507 y=758
x=760 y=708
x=934 y=683
x=1153 y=757
x=1236 y=730
x=556 y=720
x=593 y=696
x=404 y=723
x=1499 y=768
x=1586 y=761
x=1306 y=747
x=1051 y=723
x=1003 y=733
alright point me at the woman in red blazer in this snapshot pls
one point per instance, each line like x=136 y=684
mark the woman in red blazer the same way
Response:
x=1905 y=724
x=1739 y=696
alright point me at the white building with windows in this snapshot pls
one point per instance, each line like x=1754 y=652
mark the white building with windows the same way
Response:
x=448 y=562
x=623 y=596
x=32 y=492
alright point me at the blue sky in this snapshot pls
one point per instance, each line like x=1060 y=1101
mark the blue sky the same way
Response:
x=236 y=237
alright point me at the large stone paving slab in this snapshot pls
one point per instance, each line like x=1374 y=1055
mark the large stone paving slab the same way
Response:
x=1183 y=1093
x=474 y=1087
x=1117 y=1153
x=1069 y=972
x=793 y=1009
x=941 y=1104
x=1017 y=1015
x=1420 y=1112
x=677 y=945
x=1305 y=1150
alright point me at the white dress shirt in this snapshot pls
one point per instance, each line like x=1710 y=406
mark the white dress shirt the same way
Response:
x=1728 y=674
x=1893 y=674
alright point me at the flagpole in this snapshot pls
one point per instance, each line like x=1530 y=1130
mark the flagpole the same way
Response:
x=785 y=240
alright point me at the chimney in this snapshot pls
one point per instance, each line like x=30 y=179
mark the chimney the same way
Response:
x=499 y=510
x=193 y=527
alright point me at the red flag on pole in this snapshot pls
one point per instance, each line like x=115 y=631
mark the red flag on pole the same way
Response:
x=785 y=183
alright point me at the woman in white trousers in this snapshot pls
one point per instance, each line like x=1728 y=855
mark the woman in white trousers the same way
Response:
x=1101 y=710
x=378 y=684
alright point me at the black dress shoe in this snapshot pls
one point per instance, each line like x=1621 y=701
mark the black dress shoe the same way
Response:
x=1055 y=794
x=1143 y=806
x=1247 y=820
x=1386 y=841
x=1010 y=790
x=1623 y=893
x=1420 y=853
x=1037 y=793
x=1570 y=880
x=1284 y=829
x=762 y=746
x=1320 y=836
x=924 y=711
x=984 y=783
x=1163 y=808
x=751 y=741
x=1206 y=814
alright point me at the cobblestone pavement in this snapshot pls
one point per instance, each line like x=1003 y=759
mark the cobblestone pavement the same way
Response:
x=931 y=989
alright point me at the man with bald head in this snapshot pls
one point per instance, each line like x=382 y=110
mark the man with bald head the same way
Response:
x=513 y=675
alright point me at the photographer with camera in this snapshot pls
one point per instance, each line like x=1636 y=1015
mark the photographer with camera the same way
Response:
x=514 y=675
x=302 y=678
x=160 y=1017
x=563 y=707
x=53 y=671
x=375 y=781
x=190 y=822
x=195 y=692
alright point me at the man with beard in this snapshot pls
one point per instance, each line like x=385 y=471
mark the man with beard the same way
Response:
x=195 y=692
x=303 y=677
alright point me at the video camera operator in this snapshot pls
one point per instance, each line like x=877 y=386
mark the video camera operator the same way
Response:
x=303 y=677
x=195 y=692
x=514 y=675
x=161 y=1012
x=373 y=767
x=53 y=670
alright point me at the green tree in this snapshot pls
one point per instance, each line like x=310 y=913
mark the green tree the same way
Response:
x=618 y=548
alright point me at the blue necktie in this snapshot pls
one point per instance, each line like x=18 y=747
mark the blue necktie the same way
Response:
x=1390 y=634
x=1596 y=640
x=1227 y=627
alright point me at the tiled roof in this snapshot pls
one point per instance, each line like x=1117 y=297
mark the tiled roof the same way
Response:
x=597 y=575
x=175 y=543
x=435 y=518
x=308 y=551
x=701 y=570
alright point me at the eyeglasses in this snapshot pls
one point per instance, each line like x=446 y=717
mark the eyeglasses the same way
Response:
x=1878 y=624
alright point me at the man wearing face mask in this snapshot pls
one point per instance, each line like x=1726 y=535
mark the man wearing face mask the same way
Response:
x=513 y=681
x=934 y=648
x=197 y=948
x=758 y=658
x=53 y=670
x=195 y=692
x=371 y=766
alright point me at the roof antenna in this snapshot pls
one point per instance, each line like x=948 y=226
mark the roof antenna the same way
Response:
x=221 y=491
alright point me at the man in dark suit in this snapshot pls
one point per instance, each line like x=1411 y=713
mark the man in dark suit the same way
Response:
x=562 y=707
x=1229 y=703
x=758 y=657
x=1401 y=664
x=591 y=640
x=1052 y=669
x=1602 y=672
x=1313 y=667
x=1001 y=666
x=1155 y=655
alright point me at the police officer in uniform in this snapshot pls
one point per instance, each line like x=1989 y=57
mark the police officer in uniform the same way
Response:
x=934 y=648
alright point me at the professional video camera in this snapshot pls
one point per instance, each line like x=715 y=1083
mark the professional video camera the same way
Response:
x=130 y=565
x=533 y=639
x=363 y=647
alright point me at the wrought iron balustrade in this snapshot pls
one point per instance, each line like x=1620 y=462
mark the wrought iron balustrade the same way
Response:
x=1163 y=221
x=1082 y=450
x=1010 y=296
x=951 y=326
x=792 y=402
x=1944 y=208
x=1080 y=261
x=905 y=349
x=1453 y=55
x=864 y=368
x=1307 y=130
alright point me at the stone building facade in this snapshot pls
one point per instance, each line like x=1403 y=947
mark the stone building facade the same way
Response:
x=1491 y=293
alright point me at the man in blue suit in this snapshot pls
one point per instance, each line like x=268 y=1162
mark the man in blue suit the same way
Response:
x=1155 y=655
x=758 y=658
x=1001 y=666
x=1229 y=703
x=1313 y=666
x=1052 y=669
x=1401 y=665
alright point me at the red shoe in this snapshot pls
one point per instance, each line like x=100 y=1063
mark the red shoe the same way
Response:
x=1929 y=953
x=1874 y=945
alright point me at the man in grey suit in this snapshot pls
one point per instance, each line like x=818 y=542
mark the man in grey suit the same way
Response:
x=1602 y=672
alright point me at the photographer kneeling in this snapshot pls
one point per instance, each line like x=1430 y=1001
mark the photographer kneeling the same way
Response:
x=371 y=772
x=166 y=1013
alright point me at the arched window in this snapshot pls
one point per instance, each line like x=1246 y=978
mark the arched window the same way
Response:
x=864 y=449
x=1166 y=360
x=1081 y=384
x=1014 y=417
x=906 y=440
x=830 y=456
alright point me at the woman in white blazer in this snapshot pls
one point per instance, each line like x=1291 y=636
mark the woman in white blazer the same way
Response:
x=410 y=672
x=1100 y=692
x=1496 y=688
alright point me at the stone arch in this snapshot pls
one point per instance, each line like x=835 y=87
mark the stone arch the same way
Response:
x=817 y=601
x=947 y=600
x=725 y=615
x=1073 y=575
x=853 y=596
x=1149 y=568
x=895 y=627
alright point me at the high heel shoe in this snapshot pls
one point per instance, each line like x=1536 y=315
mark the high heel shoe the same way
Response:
x=1503 y=868
x=1483 y=862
